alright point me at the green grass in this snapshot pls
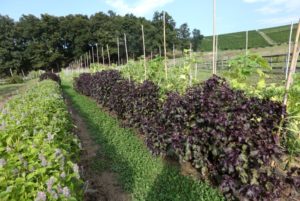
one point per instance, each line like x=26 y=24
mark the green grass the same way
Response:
x=146 y=177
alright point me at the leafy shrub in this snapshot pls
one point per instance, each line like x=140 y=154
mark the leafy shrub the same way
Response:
x=15 y=79
x=230 y=138
x=222 y=133
x=37 y=147
x=51 y=76
x=83 y=83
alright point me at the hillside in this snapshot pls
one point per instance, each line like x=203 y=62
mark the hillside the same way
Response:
x=257 y=38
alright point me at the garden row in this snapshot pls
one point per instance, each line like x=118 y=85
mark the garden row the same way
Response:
x=140 y=174
x=37 y=148
x=230 y=138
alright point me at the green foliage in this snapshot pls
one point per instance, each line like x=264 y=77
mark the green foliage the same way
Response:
x=156 y=73
x=144 y=176
x=241 y=73
x=15 y=79
x=244 y=67
x=37 y=147
x=48 y=41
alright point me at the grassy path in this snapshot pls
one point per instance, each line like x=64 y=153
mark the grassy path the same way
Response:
x=145 y=177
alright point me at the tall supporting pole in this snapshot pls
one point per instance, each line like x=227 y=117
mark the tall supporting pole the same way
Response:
x=103 y=60
x=80 y=62
x=165 y=46
x=247 y=39
x=86 y=60
x=293 y=64
x=118 y=44
x=214 y=37
x=97 y=53
x=159 y=48
x=93 y=54
x=289 y=52
x=190 y=81
x=126 y=51
x=108 y=55
x=144 y=50
x=174 y=59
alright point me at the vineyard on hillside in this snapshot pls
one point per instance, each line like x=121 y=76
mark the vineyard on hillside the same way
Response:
x=234 y=41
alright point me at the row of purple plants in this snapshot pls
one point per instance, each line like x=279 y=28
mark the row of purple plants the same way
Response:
x=228 y=137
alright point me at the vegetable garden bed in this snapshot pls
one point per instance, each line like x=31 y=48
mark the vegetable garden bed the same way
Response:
x=229 y=137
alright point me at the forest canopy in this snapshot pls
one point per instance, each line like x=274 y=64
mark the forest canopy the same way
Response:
x=48 y=41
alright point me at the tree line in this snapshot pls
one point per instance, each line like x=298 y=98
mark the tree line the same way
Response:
x=49 y=41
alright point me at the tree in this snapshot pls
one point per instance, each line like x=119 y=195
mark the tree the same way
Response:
x=184 y=34
x=196 y=40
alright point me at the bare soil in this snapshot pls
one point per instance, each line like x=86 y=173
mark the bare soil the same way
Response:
x=99 y=185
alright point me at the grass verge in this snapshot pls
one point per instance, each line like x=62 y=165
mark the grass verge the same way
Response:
x=144 y=176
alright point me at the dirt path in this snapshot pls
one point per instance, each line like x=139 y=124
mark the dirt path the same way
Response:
x=99 y=186
x=267 y=38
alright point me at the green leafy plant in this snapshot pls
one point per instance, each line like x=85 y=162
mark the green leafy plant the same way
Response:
x=245 y=69
x=37 y=148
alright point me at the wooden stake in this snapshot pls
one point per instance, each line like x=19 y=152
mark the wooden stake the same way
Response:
x=97 y=53
x=293 y=65
x=190 y=81
x=289 y=52
x=174 y=59
x=246 y=43
x=165 y=47
x=126 y=51
x=108 y=54
x=216 y=60
x=144 y=50
x=159 y=51
x=103 y=61
x=23 y=73
x=11 y=73
x=118 y=44
x=86 y=60
x=214 y=36
x=93 y=54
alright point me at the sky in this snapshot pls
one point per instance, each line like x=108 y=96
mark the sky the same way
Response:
x=232 y=15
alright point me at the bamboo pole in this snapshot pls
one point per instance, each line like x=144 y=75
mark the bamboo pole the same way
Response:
x=118 y=44
x=144 y=50
x=217 y=49
x=214 y=37
x=190 y=81
x=97 y=53
x=159 y=48
x=174 y=59
x=247 y=38
x=108 y=54
x=165 y=48
x=93 y=59
x=103 y=61
x=126 y=50
x=289 y=52
x=86 y=60
x=292 y=70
